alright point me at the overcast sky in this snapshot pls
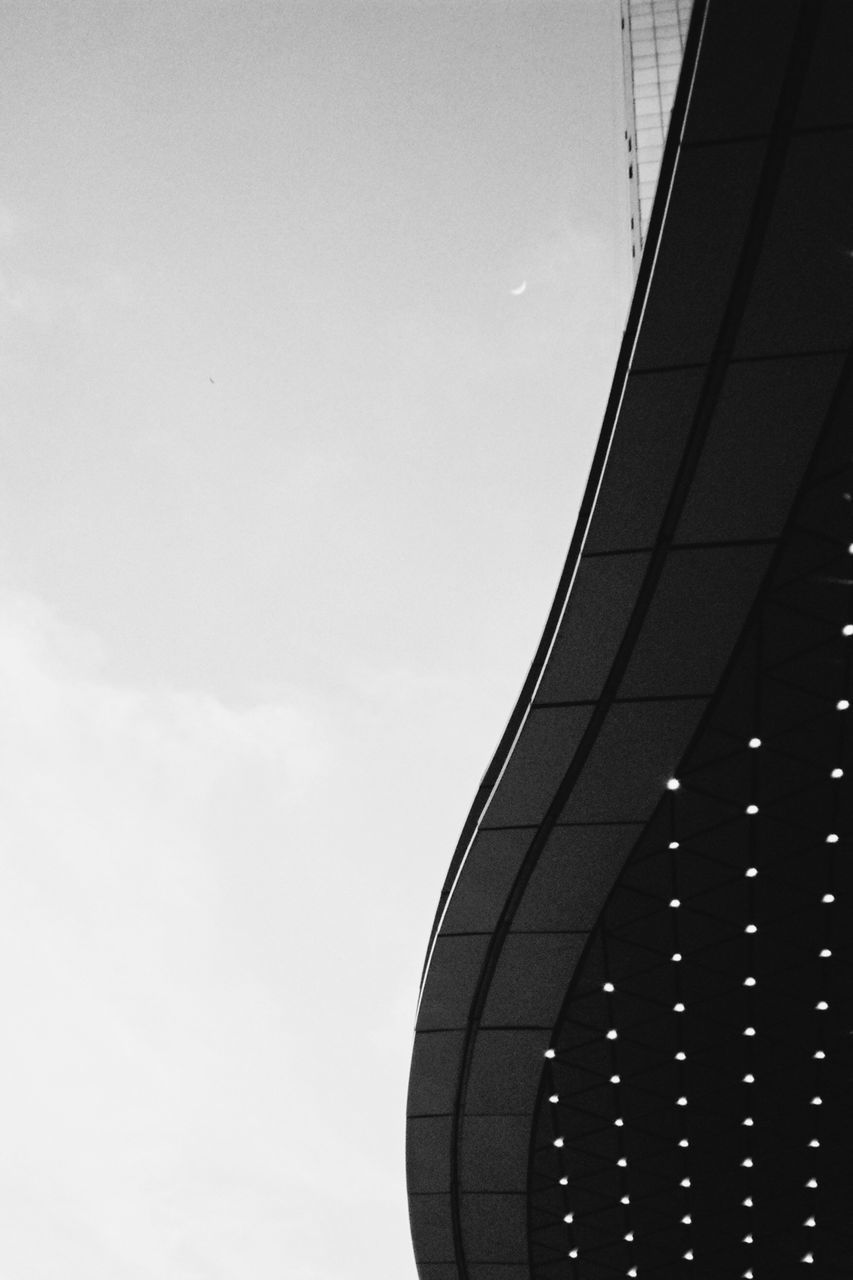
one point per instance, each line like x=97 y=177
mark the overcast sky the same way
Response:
x=290 y=462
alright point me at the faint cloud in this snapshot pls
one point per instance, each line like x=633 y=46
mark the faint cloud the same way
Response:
x=158 y=1117
x=82 y=296
x=9 y=224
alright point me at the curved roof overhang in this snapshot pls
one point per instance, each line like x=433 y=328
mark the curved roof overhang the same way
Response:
x=734 y=365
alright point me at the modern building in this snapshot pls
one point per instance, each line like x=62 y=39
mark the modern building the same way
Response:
x=634 y=1043
x=653 y=37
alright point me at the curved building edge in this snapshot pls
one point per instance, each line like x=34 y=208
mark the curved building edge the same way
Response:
x=662 y=575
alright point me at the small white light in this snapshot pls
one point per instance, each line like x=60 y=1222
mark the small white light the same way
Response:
x=680 y=1056
x=751 y=872
x=615 y=1079
x=631 y=1272
x=622 y=1162
x=559 y=1142
x=687 y=1219
x=689 y=1255
x=749 y=1078
x=569 y=1217
x=673 y=784
x=555 y=1097
x=752 y=808
x=625 y=1200
x=681 y=1102
x=832 y=838
x=808 y=1257
x=817 y=1102
x=751 y=928
x=676 y=956
x=573 y=1253
x=629 y=1235
x=754 y=742
x=809 y=1222
x=828 y=897
x=613 y=1034
x=685 y=1182
x=619 y=1122
x=608 y=986
x=550 y=1053
x=564 y=1182
x=675 y=902
x=825 y=953
x=747 y=1239
x=847 y=629
x=682 y=1142
x=749 y=982
x=749 y=1031
x=814 y=1143
x=812 y=1184
x=850 y=549
x=747 y=1275
x=747 y=1202
x=822 y=1006
x=678 y=1008
x=673 y=844
x=842 y=704
x=747 y=1163
x=819 y=1054
x=837 y=773
x=748 y=1121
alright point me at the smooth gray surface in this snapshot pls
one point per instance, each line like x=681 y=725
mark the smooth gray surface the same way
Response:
x=490 y=868
x=654 y=420
x=573 y=874
x=709 y=212
x=536 y=766
x=602 y=598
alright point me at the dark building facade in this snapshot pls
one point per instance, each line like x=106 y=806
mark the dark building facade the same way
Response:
x=634 y=1044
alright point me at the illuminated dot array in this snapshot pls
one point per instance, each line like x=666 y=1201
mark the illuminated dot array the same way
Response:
x=748 y=1041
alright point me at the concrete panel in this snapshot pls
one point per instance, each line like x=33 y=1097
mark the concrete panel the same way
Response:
x=802 y=294
x=601 y=602
x=747 y=47
x=537 y=764
x=763 y=430
x=702 y=241
x=638 y=749
x=573 y=876
x=450 y=982
x=505 y=1071
x=694 y=620
x=481 y=891
x=494 y=1153
x=654 y=421
x=530 y=979
x=428 y=1154
x=494 y=1228
x=435 y=1072
x=827 y=97
x=432 y=1229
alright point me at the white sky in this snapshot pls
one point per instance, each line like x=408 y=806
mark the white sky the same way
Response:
x=288 y=474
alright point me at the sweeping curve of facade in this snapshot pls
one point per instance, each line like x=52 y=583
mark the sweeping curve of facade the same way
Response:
x=634 y=1044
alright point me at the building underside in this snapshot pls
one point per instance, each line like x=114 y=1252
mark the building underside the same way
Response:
x=634 y=1045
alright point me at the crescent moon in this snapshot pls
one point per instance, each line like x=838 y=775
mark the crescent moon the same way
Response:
x=519 y=290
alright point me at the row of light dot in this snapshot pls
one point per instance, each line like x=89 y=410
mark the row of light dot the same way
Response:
x=673 y=784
